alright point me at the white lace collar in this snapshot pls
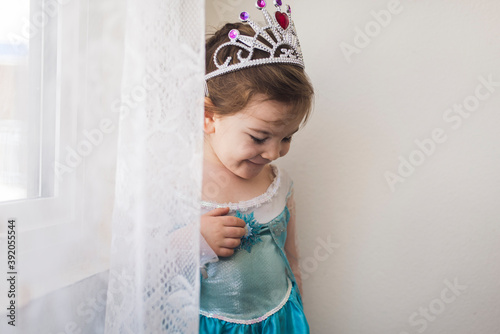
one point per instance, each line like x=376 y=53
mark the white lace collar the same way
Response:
x=255 y=202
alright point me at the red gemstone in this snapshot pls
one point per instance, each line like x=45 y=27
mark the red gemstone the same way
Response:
x=282 y=19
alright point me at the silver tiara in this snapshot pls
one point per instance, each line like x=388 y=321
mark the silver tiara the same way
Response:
x=279 y=32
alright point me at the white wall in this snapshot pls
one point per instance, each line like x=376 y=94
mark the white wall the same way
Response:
x=395 y=251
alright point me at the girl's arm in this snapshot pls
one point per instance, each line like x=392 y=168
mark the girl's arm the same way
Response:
x=291 y=243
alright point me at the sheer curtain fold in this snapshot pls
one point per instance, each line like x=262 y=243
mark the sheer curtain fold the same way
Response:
x=154 y=275
x=128 y=191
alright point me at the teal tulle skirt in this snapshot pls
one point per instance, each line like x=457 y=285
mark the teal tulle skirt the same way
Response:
x=290 y=319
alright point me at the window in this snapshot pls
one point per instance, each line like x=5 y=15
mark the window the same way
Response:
x=32 y=66
x=28 y=108
x=16 y=178
x=41 y=87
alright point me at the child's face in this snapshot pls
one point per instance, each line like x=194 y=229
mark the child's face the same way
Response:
x=245 y=142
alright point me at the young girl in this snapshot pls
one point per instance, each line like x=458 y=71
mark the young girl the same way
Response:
x=257 y=97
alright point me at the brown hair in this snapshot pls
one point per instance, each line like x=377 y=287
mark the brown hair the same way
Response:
x=230 y=93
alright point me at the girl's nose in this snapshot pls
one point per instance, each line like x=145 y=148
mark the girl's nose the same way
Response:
x=272 y=152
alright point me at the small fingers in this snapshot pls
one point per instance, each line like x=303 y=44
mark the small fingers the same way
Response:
x=225 y=252
x=234 y=232
x=233 y=221
x=218 y=212
x=230 y=243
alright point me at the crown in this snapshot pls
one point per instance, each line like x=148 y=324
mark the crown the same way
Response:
x=279 y=32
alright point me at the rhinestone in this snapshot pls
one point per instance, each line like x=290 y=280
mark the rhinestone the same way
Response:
x=282 y=19
x=289 y=9
x=278 y=2
x=233 y=34
x=260 y=4
x=244 y=16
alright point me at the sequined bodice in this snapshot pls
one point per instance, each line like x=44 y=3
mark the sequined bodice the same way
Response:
x=256 y=278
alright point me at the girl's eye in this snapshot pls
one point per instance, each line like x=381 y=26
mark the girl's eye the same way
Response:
x=287 y=139
x=258 y=140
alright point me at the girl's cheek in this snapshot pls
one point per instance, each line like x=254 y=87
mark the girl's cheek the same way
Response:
x=247 y=150
x=246 y=145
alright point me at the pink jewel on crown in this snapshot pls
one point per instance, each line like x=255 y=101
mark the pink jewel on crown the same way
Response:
x=244 y=16
x=281 y=42
x=233 y=34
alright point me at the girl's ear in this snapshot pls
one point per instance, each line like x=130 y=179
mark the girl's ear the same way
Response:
x=208 y=125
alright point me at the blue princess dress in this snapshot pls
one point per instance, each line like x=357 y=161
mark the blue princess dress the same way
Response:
x=254 y=290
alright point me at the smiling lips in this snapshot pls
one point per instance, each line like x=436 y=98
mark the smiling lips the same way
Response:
x=259 y=162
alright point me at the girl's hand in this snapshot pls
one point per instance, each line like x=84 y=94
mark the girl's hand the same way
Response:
x=222 y=233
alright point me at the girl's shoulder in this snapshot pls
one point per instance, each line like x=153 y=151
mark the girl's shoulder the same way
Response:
x=279 y=189
x=286 y=182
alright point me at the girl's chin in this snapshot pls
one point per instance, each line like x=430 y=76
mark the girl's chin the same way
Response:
x=248 y=170
x=245 y=169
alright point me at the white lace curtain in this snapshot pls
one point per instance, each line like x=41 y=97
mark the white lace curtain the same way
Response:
x=129 y=261
x=159 y=172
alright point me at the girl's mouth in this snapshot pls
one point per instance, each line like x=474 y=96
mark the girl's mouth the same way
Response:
x=259 y=162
